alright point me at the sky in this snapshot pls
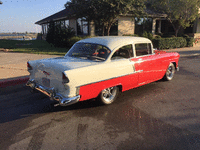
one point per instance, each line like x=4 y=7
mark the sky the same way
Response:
x=21 y=15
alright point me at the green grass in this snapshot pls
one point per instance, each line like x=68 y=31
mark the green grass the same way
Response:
x=32 y=46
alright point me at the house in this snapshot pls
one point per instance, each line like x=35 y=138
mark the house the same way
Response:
x=126 y=24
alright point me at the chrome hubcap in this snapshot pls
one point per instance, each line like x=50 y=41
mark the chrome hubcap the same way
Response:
x=170 y=72
x=109 y=94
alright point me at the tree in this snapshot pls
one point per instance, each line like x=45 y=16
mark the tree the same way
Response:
x=1 y=2
x=105 y=12
x=180 y=13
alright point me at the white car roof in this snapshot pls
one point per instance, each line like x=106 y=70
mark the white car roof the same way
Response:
x=115 y=41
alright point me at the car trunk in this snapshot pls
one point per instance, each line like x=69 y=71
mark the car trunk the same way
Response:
x=48 y=72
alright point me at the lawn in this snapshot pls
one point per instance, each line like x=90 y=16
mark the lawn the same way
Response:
x=32 y=46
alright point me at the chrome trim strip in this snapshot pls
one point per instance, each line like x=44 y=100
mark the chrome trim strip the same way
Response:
x=112 y=78
x=139 y=71
x=63 y=101
x=145 y=55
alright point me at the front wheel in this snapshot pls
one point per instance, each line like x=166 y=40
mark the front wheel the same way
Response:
x=108 y=96
x=170 y=72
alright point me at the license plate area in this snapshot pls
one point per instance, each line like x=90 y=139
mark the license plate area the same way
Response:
x=46 y=82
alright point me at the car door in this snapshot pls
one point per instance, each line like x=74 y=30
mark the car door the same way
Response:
x=126 y=53
x=146 y=63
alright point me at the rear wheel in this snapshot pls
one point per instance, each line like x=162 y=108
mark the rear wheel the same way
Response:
x=170 y=72
x=109 y=95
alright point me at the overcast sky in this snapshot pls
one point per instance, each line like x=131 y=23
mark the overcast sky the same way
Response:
x=21 y=15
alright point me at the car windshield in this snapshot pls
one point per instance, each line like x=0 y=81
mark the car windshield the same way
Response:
x=90 y=51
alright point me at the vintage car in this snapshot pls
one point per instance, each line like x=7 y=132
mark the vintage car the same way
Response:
x=100 y=68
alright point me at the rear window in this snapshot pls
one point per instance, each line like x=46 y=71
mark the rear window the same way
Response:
x=94 y=52
x=143 y=49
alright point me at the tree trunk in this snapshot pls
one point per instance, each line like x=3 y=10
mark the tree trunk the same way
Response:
x=109 y=27
x=176 y=29
x=103 y=30
x=108 y=31
x=175 y=26
x=176 y=32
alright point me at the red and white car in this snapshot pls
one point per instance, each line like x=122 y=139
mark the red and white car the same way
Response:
x=99 y=68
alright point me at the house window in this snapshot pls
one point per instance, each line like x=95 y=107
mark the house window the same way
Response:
x=82 y=26
x=143 y=49
x=66 y=23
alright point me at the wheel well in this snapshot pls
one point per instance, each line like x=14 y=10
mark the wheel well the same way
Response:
x=120 y=88
x=174 y=64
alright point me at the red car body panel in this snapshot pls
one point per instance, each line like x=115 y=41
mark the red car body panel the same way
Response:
x=148 y=69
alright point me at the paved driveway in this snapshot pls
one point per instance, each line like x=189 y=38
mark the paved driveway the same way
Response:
x=14 y=64
x=160 y=115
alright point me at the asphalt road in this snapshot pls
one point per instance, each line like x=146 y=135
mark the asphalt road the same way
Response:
x=160 y=115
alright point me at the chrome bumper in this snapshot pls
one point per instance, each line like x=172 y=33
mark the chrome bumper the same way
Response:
x=52 y=94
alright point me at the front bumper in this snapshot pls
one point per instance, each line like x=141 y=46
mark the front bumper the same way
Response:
x=63 y=101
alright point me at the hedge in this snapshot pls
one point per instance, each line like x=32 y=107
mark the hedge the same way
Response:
x=168 y=43
x=190 y=41
x=71 y=41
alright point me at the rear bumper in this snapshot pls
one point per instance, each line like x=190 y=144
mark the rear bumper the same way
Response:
x=63 y=101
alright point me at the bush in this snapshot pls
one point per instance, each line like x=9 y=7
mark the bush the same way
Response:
x=158 y=37
x=59 y=36
x=136 y=35
x=168 y=43
x=73 y=40
x=148 y=35
x=50 y=34
x=185 y=36
x=190 y=41
x=62 y=35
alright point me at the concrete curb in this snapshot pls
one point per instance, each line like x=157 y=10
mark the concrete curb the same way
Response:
x=13 y=81
x=190 y=55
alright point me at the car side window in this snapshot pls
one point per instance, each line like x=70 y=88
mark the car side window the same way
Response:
x=123 y=52
x=143 y=49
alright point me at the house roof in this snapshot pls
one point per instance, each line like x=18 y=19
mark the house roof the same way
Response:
x=155 y=14
x=69 y=13
x=61 y=15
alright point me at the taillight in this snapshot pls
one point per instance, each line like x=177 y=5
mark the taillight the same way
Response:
x=29 y=66
x=64 y=78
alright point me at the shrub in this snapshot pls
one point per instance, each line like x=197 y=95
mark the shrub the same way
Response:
x=73 y=40
x=148 y=35
x=185 y=36
x=190 y=41
x=59 y=36
x=62 y=35
x=168 y=43
x=136 y=35
x=158 y=37
x=50 y=34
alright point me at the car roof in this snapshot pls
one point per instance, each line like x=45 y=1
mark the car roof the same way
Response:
x=115 y=41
